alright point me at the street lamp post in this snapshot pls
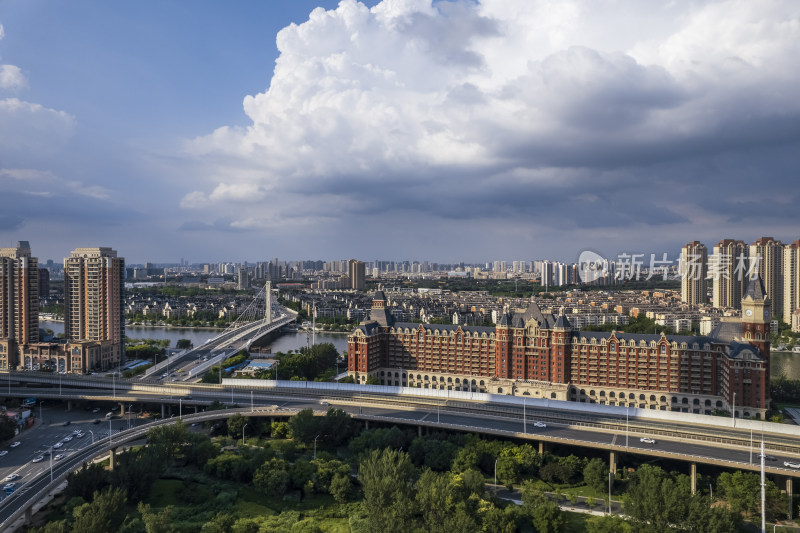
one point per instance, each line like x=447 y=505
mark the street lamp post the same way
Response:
x=129 y=415
x=495 y=475
x=711 y=492
x=41 y=417
x=92 y=432
x=51 y=464
x=180 y=407
x=315 y=446
x=610 y=481
x=244 y=426
x=109 y=431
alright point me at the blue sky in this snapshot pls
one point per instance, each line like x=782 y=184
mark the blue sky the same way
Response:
x=401 y=129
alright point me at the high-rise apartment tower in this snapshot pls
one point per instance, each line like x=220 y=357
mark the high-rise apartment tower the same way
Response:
x=93 y=301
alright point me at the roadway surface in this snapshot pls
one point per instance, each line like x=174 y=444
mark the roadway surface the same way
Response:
x=37 y=441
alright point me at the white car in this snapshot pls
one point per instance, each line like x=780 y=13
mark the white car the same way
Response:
x=15 y=444
x=59 y=457
x=67 y=438
x=76 y=431
x=58 y=445
x=790 y=464
x=9 y=486
x=38 y=459
x=539 y=424
x=12 y=477
x=647 y=440
x=4 y=452
x=79 y=435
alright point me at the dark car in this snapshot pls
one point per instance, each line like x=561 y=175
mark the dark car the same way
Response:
x=66 y=423
x=96 y=421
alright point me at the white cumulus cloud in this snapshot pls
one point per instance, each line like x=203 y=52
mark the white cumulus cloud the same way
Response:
x=11 y=77
x=441 y=107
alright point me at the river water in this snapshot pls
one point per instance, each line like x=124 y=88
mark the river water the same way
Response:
x=782 y=363
x=284 y=343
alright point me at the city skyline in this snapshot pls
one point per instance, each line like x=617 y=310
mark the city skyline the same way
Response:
x=397 y=129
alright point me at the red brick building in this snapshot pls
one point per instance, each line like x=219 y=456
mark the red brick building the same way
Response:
x=540 y=354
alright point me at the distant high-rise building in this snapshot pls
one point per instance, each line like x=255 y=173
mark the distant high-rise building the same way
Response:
x=767 y=254
x=94 y=303
x=791 y=280
x=244 y=279
x=356 y=273
x=694 y=268
x=729 y=273
x=547 y=274
x=19 y=302
x=44 y=282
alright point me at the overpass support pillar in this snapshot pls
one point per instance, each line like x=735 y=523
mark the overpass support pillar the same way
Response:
x=29 y=514
x=612 y=462
x=694 y=477
x=366 y=424
x=112 y=458
x=419 y=430
x=121 y=409
x=543 y=447
x=195 y=409
x=69 y=405
x=162 y=410
x=790 y=494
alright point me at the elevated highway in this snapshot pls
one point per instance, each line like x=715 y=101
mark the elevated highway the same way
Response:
x=695 y=439
x=199 y=359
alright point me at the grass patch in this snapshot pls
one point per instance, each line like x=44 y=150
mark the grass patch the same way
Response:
x=576 y=522
x=165 y=492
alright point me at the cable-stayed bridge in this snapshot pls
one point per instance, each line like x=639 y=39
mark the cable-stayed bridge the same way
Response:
x=261 y=317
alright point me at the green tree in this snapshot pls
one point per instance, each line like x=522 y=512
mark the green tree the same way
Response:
x=272 y=477
x=654 y=501
x=742 y=491
x=235 y=425
x=435 y=499
x=387 y=477
x=169 y=440
x=103 y=514
x=496 y=520
x=183 y=344
x=595 y=474
x=136 y=471
x=545 y=515
x=340 y=488
x=156 y=522
x=221 y=523
x=83 y=483
x=279 y=430
x=471 y=482
x=705 y=518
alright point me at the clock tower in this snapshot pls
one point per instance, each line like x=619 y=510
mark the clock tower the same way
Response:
x=756 y=316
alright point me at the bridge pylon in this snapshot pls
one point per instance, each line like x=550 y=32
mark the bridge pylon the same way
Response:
x=268 y=297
